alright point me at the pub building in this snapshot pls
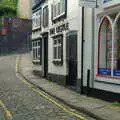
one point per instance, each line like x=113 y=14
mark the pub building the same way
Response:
x=64 y=27
x=56 y=53
x=36 y=28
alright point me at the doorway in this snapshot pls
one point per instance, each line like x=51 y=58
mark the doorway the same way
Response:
x=71 y=46
x=45 y=41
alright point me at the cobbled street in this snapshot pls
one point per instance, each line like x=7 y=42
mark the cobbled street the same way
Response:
x=22 y=101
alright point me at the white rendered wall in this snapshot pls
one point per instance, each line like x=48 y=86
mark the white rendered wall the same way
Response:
x=88 y=44
x=73 y=18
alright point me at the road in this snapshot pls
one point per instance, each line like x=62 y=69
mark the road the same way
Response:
x=20 y=102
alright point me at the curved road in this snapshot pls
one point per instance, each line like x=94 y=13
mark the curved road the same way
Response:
x=21 y=101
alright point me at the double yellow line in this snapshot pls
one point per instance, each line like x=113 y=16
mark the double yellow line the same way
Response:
x=48 y=97
x=8 y=114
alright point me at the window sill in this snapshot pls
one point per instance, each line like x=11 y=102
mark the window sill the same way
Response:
x=35 y=29
x=63 y=15
x=54 y=18
x=59 y=63
x=107 y=79
x=36 y=62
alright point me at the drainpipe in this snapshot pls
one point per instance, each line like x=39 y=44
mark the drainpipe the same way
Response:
x=82 y=50
x=93 y=48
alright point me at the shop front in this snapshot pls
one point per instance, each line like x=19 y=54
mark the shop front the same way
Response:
x=108 y=45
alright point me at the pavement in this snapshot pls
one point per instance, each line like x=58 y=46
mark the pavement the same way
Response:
x=20 y=100
x=96 y=108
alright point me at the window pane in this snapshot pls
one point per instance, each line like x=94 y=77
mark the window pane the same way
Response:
x=32 y=43
x=63 y=5
x=58 y=8
x=59 y=52
x=36 y=44
x=57 y=47
x=109 y=45
x=55 y=52
x=105 y=48
x=54 y=11
x=55 y=42
x=45 y=16
x=59 y=40
x=39 y=43
x=116 y=50
x=36 y=53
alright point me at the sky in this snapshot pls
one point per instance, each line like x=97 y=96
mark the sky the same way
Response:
x=23 y=8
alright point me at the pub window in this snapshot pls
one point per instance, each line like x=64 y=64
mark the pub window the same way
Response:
x=45 y=16
x=57 y=48
x=105 y=48
x=58 y=9
x=39 y=18
x=37 y=51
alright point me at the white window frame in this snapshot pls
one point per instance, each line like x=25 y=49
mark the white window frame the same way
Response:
x=55 y=9
x=36 y=19
x=57 y=45
x=36 y=46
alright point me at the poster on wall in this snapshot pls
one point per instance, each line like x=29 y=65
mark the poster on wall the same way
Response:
x=116 y=72
x=104 y=71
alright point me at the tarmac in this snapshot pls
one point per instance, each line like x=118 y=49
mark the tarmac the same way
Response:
x=93 y=107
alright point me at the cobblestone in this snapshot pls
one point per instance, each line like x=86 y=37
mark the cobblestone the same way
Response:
x=21 y=100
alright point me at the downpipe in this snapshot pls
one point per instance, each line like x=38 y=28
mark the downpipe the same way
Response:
x=82 y=52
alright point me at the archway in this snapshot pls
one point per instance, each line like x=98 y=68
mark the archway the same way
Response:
x=105 y=46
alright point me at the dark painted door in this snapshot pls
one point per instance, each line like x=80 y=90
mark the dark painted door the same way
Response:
x=45 y=40
x=72 y=57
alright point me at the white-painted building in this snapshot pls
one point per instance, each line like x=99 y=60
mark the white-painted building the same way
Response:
x=75 y=48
